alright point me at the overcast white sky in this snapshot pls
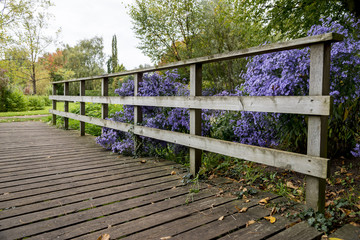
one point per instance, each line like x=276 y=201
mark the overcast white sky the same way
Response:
x=84 y=19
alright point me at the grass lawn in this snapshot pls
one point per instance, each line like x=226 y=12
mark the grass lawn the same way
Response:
x=60 y=106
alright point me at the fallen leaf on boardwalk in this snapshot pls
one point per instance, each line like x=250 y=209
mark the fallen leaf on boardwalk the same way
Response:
x=264 y=201
x=49 y=157
x=104 y=237
x=273 y=211
x=336 y=239
x=271 y=219
x=109 y=226
x=355 y=224
x=174 y=187
x=6 y=193
x=250 y=223
x=143 y=161
x=165 y=238
x=221 y=218
x=247 y=200
x=244 y=209
x=173 y=173
x=291 y=185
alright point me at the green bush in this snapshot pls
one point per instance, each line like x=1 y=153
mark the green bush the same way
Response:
x=35 y=103
x=12 y=100
x=46 y=100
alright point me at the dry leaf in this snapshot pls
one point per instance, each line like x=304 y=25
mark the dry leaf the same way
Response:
x=273 y=211
x=264 y=201
x=104 y=237
x=328 y=203
x=291 y=185
x=174 y=187
x=271 y=219
x=343 y=170
x=173 y=173
x=221 y=218
x=143 y=161
x=109 y=226
x=247 y=200
x=6 y=193
x=335 y=238
x=349 y=174
x=244 y=209
x=250 y=223
x=355 y=224
x=165 y=238
x=358 y=206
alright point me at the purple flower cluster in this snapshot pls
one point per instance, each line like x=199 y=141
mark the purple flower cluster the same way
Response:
x=173 y=119
x=287 y=73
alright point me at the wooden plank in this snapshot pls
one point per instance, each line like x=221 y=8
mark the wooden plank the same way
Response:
x=274 y=47
x=66 y=104
x=80 y=183
x=307 y=105
x=152 y=215
x=54 y=105
x=309 y=165
x=138 y=115
x=299 y=231
x=86 y=196
x=82 y=108
x=104 y=205
x=79 y=172
x=319 y=84
x=184 y=224
x=195 y=116
x=259 y=230
x=9 y=203
x=94 y=175
x=347 y=232
x=104 y=93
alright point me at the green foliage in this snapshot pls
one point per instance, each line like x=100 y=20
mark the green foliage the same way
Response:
x=335 y=215
x=35 y=103
x=12 y=100
x=177 y=30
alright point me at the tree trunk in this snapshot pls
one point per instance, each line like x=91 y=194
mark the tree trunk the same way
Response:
x=33 y=79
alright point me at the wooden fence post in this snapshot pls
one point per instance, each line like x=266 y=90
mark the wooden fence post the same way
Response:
x=105 y=93
x=195 y=116
x=318 y=125
x=138 y=117
x=66 y=105
x=82 y=107
x=54 y=104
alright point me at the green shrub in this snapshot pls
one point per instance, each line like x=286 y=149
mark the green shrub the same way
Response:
x=35 y=103
x=46 y=100
x=12 y=100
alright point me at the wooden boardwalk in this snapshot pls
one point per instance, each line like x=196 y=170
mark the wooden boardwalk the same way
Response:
x=57 y=185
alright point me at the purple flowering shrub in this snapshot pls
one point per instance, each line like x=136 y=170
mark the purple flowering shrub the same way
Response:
x=173 y=119
x=287 y=73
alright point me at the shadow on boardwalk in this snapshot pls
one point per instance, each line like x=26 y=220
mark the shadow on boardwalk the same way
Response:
x=57 y=185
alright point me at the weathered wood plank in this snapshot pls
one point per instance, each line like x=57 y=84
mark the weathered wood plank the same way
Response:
x=82 y=108
x=300 y=231
x=347 y=232
x=308 y=105
x=319 y=84
x=98 y=207
x=86 y=196
x=104 y=93
x=309 y=165
x=155 y=215
x=195 y=116
x=274 y=47
x=66 y=104
x=194 y=221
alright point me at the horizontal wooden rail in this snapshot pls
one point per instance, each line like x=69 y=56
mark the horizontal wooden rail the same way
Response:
x=308 y=105
x=269 y=48
x=309 y=165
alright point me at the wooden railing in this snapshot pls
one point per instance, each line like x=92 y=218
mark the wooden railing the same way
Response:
x=317 y=106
